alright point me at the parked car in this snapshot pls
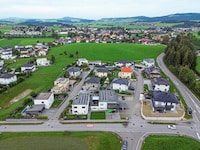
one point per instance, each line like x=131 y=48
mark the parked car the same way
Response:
x=171 y=126
x=124 y=144
x=123 y=97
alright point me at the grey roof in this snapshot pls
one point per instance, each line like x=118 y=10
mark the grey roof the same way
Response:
x=95 y=80
x=108 y=95
x=121 y=81
x=7 y=76
x=124 y=61
x=83 y=99
x=43 y=96
x=102 y=70
x=28 y=65
x=150 y=60
x=152 y=69
x=164 y=97
x=73 y=69
x=160 y=81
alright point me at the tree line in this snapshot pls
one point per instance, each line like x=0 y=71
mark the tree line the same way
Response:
x=182 y=60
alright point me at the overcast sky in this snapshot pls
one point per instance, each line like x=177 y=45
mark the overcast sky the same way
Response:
x=95 y=9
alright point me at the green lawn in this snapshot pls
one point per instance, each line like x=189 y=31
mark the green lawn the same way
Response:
x=198 y=64
x=23 y=41
x=114 y=52
x=98 y=115
x=157 y=142
x=60 y=141
x=5 y=28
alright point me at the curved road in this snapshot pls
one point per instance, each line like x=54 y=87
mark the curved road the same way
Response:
x=137 y=129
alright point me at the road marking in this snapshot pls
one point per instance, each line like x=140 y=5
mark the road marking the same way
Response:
x=198 y=135
x=90 y=125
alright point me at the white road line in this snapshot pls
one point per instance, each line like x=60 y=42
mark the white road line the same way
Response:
x=198 y=135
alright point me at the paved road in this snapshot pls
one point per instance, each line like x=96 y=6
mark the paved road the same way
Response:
x=137 y=129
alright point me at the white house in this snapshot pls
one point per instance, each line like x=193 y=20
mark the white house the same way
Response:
x=60 y=85
x=125 y=72
x=1 y=64
x=82 y=61
x=7 y=78
x=164 y=101
x=160 y=84
x=74 y=71
x=107 y=99
x=46 y=98
x=42 y=62
x=28 y=68
x=149 y=62
x=125 y=63
x=7 y=53
x=120 y=84
x=81 y=104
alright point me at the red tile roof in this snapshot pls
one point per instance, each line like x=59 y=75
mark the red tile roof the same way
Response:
x=126 y=69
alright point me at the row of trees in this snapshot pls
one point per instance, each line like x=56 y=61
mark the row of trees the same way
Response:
x=181 y=59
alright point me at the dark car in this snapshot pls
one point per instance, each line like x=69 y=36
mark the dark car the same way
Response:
x=123 y=98
x=124 y=145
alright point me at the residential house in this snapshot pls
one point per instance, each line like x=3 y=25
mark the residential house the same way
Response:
x=125 y=72
x=34 y=110
x=92 y=83
x=148 y=62
x=120 y=84
x=80 y=105
x=164 y=101
x=28 y=68
x=7 y=78
x=95 y=63
x=106 y=99
x=82 y=61
x=74 y=71
x=101 y=72
x=46 y=98
x=1 y=64
x=60 y=85
x=7 y=53
x=42 y=62
x=152 y=72
x=125 y=63
x=160 y=84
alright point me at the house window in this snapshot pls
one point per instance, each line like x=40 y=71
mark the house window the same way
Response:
x=75 y=111
x=42 y=102
x=83 y=106
x=75 y=106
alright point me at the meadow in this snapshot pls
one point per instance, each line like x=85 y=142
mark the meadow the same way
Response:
x=60 y=140
x=42 y=79
x=159 y=142
x=23 y=41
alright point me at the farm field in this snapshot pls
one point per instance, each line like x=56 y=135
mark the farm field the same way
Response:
x=60 y=140
x=157 y=142
x=42 y=79
x=198 y=64
x=23 y=41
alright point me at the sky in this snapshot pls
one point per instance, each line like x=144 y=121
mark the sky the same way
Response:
x=95 y=9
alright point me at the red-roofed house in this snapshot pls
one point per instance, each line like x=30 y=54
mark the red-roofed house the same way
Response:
x=125 y=72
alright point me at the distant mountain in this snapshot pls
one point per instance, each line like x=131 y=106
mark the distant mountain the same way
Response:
x=169 y=18
x=179 y=17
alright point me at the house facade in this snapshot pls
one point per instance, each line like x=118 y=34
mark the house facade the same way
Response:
x=92 y=83
x=149 y=62
x=101 y=72
x=160 y=84
x=120 y=84
x=82 y=61
x=42 y=62
x=125 y=72
x=80 y=105
x=46 y=98
x=6 y=79
x=164 y=101
x=74 y=71
x=125 y=63
x=28 y=68
x=152 y=72
x=60 y=85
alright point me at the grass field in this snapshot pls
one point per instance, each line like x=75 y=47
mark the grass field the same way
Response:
x=157 y=142
x=98 y=115
x=5 y=28
x=198 y=64
x=23 y=41
x=42 y=79
x=60 y=141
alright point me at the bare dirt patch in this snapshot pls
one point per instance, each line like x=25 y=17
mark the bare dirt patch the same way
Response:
x=20 y=96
